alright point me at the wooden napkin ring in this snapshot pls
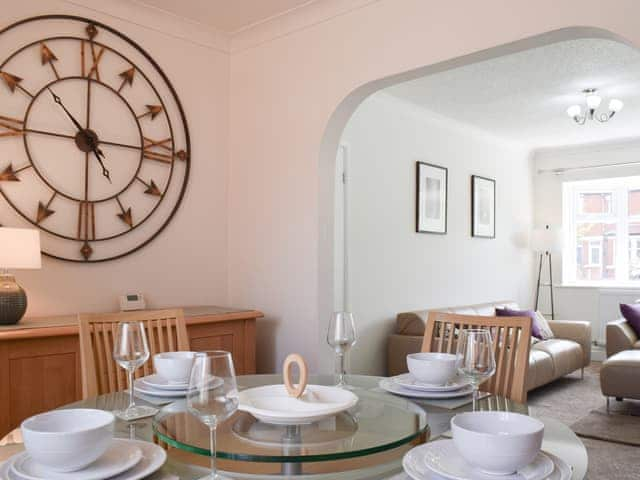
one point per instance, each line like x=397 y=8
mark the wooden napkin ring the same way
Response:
x=292 y=389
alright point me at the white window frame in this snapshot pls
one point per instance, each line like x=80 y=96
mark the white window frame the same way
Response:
x=594 y=243
x=618 y=214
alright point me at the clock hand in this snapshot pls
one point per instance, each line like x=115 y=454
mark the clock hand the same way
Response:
x=98 y=153
x=57 y=99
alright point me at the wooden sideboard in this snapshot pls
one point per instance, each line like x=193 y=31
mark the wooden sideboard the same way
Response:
x=40 y=357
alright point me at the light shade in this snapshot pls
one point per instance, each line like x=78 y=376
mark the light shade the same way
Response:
x=19 y=248
x=593 y=101
x=615 y=105
x=546 y=239
x=574 y=111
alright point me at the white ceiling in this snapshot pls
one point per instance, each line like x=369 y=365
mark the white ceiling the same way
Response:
x=524 y=96
x=226 y=15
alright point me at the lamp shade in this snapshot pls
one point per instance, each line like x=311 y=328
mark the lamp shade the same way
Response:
x=19 y=248
x=546 y=239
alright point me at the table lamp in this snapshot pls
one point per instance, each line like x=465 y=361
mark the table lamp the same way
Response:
x=546 y=240
x=19 y=248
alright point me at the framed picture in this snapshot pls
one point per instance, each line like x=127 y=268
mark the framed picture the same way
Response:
x=431 y=198
x=483 y=207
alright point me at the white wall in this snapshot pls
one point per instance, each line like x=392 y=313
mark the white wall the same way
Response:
x=187 y=263
x=392 y=268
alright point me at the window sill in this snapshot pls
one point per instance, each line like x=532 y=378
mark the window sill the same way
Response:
x=601 y=286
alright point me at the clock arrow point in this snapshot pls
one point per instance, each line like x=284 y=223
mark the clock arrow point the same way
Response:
x=8 y=175
x=46 y=55
x=154 y=110
x=153 y=189
x=43 y=212
x=11 y=80
x=128 y=75
x=92 y=31
x=126 y=217
x=86 y=250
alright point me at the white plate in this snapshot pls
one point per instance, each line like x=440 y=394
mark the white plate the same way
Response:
x=414 y=466
x=157 y=382
x=442 y=457
x=391 y=386
x=407 y=380
x=119 y=457
x=153 y=458
x=272 y=404
x=142 y=387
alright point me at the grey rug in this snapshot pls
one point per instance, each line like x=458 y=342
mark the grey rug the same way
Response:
x=569 y=399
x=613 y=427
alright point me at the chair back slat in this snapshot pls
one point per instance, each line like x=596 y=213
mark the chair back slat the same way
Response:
x=165 y=329
x=511 y=345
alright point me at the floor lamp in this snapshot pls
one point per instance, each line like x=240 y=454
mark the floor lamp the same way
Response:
x=544 y=241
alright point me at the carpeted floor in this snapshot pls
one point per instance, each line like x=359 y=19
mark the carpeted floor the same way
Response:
x=569 y=399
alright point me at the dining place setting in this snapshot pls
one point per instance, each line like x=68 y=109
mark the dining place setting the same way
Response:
x=207 y=422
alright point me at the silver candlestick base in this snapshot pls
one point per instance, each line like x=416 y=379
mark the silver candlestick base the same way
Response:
x=13 y=300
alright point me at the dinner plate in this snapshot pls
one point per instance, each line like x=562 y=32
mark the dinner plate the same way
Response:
x=414 y=466
x=153 y=458
x=443 y=458
x=119 y=457
x=155 y=381
x=273 y=404
x=392 y=387
x=142 y=387
x=407 y=380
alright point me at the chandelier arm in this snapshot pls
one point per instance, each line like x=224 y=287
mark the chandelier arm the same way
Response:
x=580 y=120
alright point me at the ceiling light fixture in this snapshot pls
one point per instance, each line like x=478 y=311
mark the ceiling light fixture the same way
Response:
x=593 y=101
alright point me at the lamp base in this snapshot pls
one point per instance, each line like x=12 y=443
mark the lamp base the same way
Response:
x=13 y=300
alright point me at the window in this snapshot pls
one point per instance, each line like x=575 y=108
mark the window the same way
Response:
x=601 y=220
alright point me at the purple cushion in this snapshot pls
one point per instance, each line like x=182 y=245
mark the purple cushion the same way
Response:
x=631 y=313
x=508 y=312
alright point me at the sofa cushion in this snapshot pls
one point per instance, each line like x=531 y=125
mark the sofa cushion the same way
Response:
x=631 y=313
x=413 y=323
x=510 y=312
x=566 y=355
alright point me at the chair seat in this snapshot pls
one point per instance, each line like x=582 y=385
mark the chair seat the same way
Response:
x=565 y=354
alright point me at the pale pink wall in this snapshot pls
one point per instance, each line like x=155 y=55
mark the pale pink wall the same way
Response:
x=283 y=93
x=187 y=263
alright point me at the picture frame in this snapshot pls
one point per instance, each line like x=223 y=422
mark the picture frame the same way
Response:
x=483 y=207
x=432 y=190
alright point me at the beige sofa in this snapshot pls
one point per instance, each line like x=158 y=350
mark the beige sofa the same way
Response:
x=620 y=337
x=570 y=350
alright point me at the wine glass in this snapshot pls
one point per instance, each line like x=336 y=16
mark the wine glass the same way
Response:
x=475 y=359
x=341 y=336
x=131 y=351
x=213 y=394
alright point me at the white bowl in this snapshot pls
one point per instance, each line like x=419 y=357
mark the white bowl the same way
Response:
x=68 y=440
x=174 y=367
x=497 y=443
x=432 y=368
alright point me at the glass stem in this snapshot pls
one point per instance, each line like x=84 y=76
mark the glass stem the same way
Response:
x=212 y=445
x=132 y=403
x=340 y=368
x=475 y=396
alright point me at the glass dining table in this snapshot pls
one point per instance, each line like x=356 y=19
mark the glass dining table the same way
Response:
x=366 y=442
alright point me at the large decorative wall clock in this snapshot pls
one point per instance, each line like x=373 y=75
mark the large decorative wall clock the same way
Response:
x=94 y=144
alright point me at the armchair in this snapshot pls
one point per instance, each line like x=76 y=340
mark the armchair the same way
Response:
x=620 y=336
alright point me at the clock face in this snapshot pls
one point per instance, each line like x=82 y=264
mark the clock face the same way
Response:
x=94 y=144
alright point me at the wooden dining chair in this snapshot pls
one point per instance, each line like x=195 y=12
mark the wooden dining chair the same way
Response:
x=511 y=345
x=166 y=331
